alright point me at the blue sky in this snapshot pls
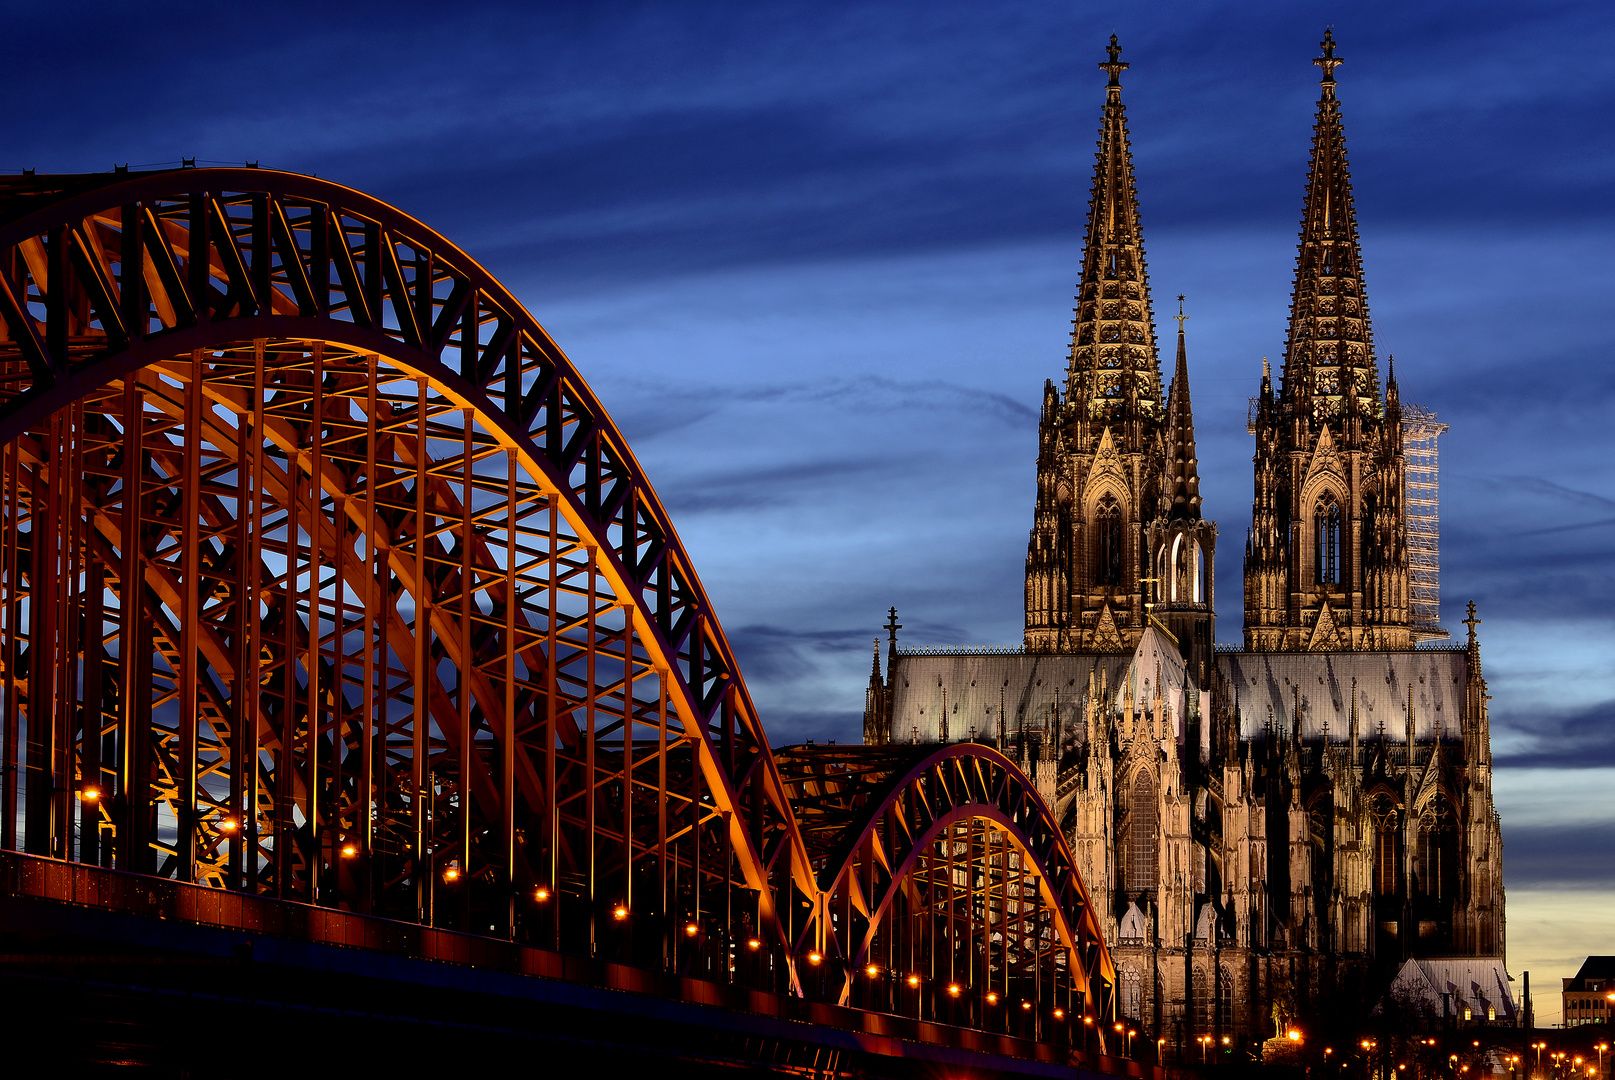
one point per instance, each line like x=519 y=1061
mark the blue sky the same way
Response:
x=818 y=260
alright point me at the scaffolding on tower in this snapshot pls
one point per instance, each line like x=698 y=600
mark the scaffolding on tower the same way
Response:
x=1420 y=430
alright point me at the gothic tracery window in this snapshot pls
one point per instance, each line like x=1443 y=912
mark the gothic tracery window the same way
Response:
x=1142 y=833
x=1326 y=532
x=1132 y=993
x=1108 y=534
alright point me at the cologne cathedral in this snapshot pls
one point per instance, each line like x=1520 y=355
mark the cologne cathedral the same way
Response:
x=1257 y=824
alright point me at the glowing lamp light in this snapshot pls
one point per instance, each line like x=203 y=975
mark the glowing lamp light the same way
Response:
x=992 y=999
x=1059 y=1014
x=1087 y=1020
x=871 y=971
x=914 y=980
x=227 y=825
x=1293 y=1035
x=1026 y=1005
x=691 y=929
x=619 y=913
x=1121 y=1027
x=90 y=793
x=541 y=894
x=953 y=989
x=754 y=944
x=814 y=958
x=452 y=872
x=1225 y=1040
x=349 y=850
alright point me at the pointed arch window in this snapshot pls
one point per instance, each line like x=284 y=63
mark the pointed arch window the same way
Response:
x=1108 y=537
x=1326 y=530
x=1142 y=832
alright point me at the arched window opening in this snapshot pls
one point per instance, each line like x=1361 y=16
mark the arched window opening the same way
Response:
x=1202 y=1002
x=1438 y=852
x=1326 y=531
x=1142 y=833
x=1132 y=994
x=1179 y=563
x=1225 y=998
x=1386 y=870
x=1108 y=525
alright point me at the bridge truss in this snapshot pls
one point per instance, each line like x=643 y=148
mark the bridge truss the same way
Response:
x=325 y=578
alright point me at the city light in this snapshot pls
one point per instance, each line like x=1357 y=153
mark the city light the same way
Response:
x=914 y=980
x=1026 y=1005
x=953 y=989
x=871 y=971
x=1293 y=1035
x=814 y=958
x=90 y=793
x=754 y=944
x=992 y=998
x=349 y=850
x=1059 y=1014
x=619 y=913
x=451 y=873
x=691 y=929
x=227 y=825
x=541 y=894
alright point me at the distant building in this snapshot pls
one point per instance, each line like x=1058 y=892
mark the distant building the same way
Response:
x=1589 y=998
x=1252 y=824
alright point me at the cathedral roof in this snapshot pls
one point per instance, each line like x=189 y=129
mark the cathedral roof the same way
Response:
x=1115 y=371
x=1267 y=688
x=1329 y=364
x=973 y=684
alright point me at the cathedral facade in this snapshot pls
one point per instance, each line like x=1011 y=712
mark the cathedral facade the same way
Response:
x=1258 y=824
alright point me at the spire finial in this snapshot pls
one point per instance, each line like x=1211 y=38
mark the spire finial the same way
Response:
x=1472 y=622
x=1115 y=65
x=1180 y=316
x=1328 y=61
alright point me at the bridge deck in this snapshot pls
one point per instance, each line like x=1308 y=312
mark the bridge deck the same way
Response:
x=87 y=941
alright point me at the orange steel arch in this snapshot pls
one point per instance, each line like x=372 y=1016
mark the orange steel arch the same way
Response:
x=950 y=846
x=324 y=575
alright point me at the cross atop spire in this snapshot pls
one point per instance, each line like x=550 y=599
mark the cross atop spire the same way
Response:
x=1328 y=61
x=1115 y=65
x=1472 y=622
x=1180 y=316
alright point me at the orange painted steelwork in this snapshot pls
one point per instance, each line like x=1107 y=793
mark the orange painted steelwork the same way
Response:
x=325 y=577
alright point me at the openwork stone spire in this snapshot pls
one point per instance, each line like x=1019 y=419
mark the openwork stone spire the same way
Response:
x=1329 y=368
x=1182 y=494
x=1115 y=376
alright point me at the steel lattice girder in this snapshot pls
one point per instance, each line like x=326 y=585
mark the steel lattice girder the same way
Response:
x=874 y=817
x=392 y=601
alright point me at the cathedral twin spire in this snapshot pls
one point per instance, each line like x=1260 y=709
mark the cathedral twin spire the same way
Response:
x=1114 y=377
x=1329 y=368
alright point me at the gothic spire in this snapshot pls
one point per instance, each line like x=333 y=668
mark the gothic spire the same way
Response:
x=1182 y=490
x=1329 y=358
x=1114 y=376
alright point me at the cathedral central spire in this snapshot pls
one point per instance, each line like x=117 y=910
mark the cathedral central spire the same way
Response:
x=1114 y=377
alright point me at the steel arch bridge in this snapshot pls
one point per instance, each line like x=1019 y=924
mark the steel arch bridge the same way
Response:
x=325 y=579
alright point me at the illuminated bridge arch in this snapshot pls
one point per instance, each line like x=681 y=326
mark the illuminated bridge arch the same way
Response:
x=944 y=874
x=324 y=577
